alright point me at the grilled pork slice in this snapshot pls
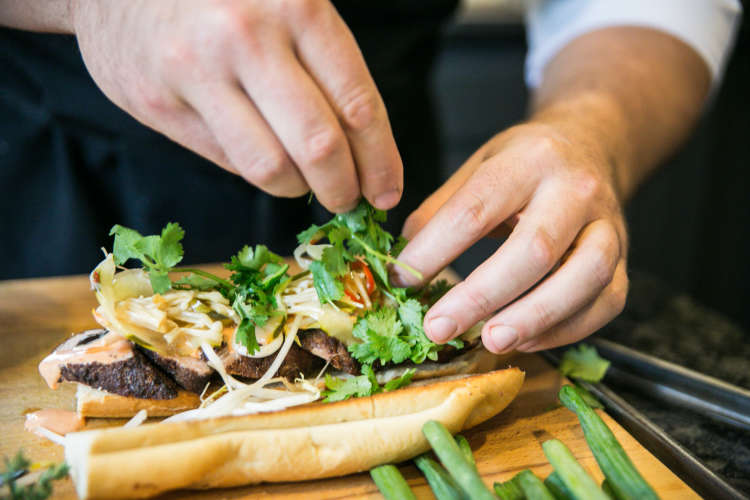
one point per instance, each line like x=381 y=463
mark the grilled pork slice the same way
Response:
x=108 y=362
x=297 y=361
x=330 y=349
x=191 y=373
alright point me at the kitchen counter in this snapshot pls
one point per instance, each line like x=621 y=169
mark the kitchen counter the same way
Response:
x=676 y=328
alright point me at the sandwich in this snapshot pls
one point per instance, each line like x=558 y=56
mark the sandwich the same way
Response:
x=181 y=342
x=269 y=374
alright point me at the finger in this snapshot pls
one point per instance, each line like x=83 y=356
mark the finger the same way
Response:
x=321 y=37
x=488 y=197
x=537 y=243
x=303 y=121
x=250 y=146
x=581 y=278
x=182 y=124
x=590 y=319
x=426 y=211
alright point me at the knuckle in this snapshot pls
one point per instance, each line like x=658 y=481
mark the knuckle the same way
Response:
x=360 y=110
x=603 y=264
x=543 y=318
x=477 y=301
x=542 y=250
x=472 y=216
x=618 y=296
x=586 y=187
x=267 y=169
x=307 y=10
x=177 y=54
x=321 y=146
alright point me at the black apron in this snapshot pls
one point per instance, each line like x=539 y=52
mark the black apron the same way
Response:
x=72 y=164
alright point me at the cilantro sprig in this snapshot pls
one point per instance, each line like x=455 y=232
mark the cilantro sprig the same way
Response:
x=353 y=234
x=40 y=489
x=339 y=389
x=257 y=275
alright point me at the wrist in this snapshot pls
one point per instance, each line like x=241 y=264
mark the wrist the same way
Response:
x=595 y=123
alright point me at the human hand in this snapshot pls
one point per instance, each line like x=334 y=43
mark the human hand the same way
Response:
x=277 y=92
x=561 y=273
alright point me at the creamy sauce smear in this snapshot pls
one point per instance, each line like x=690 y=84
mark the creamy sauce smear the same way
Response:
x=103 y=350
x=58 y=421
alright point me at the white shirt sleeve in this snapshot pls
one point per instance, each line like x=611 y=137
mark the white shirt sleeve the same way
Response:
x=708 y=26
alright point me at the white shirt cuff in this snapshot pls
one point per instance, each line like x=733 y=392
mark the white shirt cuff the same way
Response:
x=708 y=26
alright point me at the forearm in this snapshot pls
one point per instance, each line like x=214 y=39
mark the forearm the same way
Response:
x=629 y=94
x=52 y=16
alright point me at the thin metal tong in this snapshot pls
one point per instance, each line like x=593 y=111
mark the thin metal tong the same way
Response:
x=677 y=385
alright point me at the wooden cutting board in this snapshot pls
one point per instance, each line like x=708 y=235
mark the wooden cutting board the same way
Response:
x=35 y=315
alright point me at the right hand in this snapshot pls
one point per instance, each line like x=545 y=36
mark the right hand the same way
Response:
x=277 y=92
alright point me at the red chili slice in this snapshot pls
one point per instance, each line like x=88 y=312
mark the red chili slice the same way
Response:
x=361 y=266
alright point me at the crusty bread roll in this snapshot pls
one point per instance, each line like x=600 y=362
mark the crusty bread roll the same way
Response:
x=92 y=402
x=314 y=441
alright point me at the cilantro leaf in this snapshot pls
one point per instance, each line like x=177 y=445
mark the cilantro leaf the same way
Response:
x=583 y=362
x=398 y=383
x=245 y=335
x=325 y=283
x=158 y=254
x=339 y=389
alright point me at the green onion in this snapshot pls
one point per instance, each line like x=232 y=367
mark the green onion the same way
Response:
x=622 y=476
x=463 y=444
x=443 y=485
x=391 y=483
x=558 y=489
x=453 y=460
x=509 y=490
x=575 y=478
x=606 y=488
x=533 y=488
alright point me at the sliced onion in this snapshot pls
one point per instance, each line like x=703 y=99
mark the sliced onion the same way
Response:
x=288 y=341
x=315 y=252
x=137 y=419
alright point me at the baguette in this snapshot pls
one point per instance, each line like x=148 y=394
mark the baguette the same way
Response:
x=314 y=441
x=92 y=402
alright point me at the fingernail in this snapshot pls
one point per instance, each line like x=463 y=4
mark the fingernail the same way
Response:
x=504 y=337
x=441 y=329
x=387 y=200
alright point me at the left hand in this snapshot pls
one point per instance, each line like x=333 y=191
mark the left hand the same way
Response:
x=561 y=273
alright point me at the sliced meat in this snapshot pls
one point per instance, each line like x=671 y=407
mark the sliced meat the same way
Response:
x=449 y=352
x=297 y=361
x=191 y=373
x=106 y=362
x=329 y=348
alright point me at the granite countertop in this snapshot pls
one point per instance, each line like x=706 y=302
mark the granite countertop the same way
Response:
x=676 y=328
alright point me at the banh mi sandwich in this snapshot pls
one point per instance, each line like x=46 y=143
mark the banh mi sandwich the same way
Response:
x=194 y=345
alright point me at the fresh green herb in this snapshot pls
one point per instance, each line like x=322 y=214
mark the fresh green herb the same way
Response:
x=339 y=389
x=39 y=490
x=352 y=234
x=443 y=486
x=622 y=476
x=391 y=483
x=449 y=453
x=465 y=447
x=158 y=254
x=558 y=489
x=574 y=477
x=588 y=397
x=258 y=275
x=583 y=362
x=533 y=487
x=509 y=490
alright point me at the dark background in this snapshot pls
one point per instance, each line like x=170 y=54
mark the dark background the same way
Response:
x=688 y=223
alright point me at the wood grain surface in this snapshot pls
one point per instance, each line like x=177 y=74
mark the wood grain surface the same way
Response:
x=35 y=315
